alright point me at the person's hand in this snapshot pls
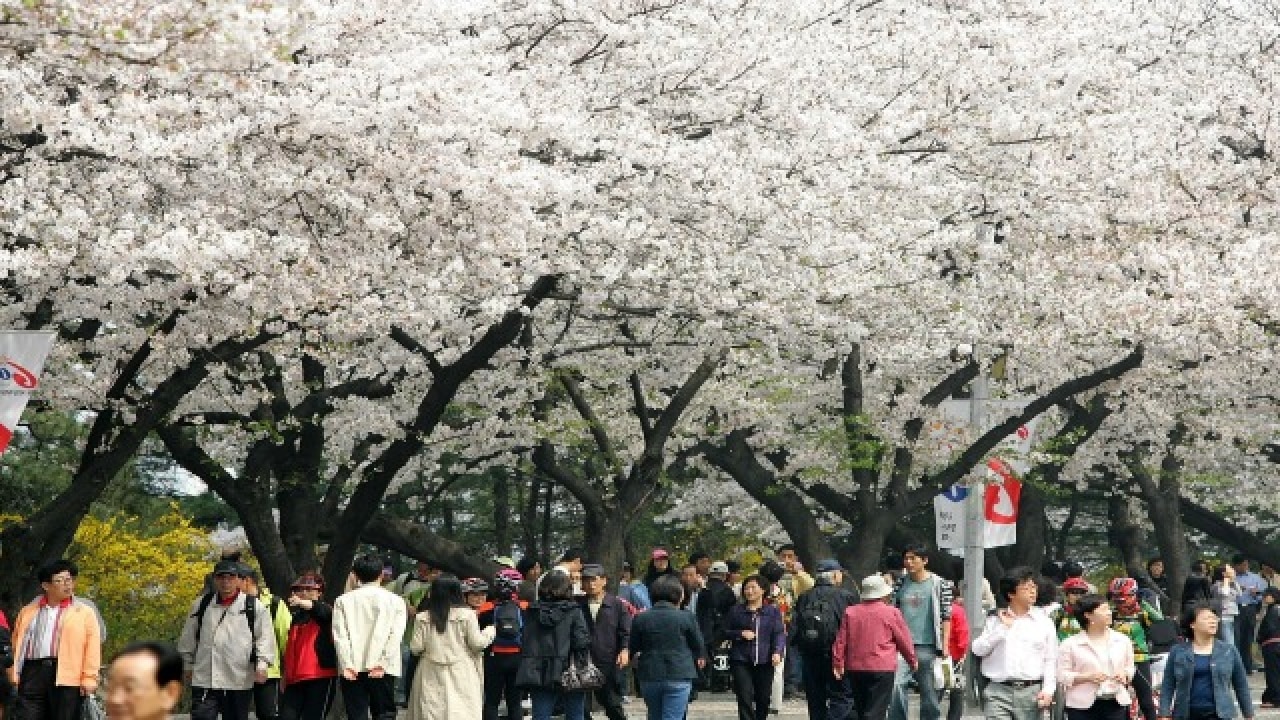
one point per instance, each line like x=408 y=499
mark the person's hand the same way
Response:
x=624 y=658
x=376 y=672
x=838 y=673
x=88 y=687
x=1006 y=617
x=350 y=674
x=777 y=659
x=701 y=662
x=259 y=676
x=1099 y=677
x=748 y=635
x=1044 y=699
x=915 y=665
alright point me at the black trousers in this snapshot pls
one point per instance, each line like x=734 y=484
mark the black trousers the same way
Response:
x=266 y=699
x=607 y=697
x=41 y=698
x=955 y=703
x=308 y=699
x=1142 y=689
x=1100 y=710
x=753 y=686
x=871 y=693
x=1271 y=666
x=208 y=704
x=365 y=696
x=1246 y=627
x=827 y=697
x=500 y=683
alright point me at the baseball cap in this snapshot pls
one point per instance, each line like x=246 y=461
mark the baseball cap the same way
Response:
x=592 y=570
x=505 y=561
x=719 y=567
x=829 y=565
x=659 y=553
x=228 y=567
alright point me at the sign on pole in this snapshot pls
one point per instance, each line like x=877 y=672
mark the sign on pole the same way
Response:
x=22 y=356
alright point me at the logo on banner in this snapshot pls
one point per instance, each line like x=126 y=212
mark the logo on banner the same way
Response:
x=12 y=372
x=1001 y=501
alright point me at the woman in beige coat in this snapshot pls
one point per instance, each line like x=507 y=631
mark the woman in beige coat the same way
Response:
x=449 y=683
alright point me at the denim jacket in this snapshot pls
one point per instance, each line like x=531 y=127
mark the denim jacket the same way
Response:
x=1229 y=680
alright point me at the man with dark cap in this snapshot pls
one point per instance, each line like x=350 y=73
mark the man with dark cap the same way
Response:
x=609 y=624
x=227 y=644
x=818 y=614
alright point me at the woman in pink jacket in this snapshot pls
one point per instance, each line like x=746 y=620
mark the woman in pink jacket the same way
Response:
x=1096 y=665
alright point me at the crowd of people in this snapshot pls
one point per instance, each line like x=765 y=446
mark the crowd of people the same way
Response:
x=568 y=641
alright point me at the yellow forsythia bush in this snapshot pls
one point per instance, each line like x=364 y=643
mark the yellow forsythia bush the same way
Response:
x=142 y=578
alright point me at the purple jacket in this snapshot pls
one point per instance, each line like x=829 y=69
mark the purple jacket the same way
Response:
x=770 y=630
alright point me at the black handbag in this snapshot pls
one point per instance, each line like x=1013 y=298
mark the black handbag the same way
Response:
x=581 y=675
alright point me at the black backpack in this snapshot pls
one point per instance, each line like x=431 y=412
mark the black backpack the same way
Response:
x=1161 y=635
x=508 y=622
x=816 y=625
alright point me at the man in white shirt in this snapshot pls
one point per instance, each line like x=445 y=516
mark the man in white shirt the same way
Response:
x=367 y=625
x=1019 y=651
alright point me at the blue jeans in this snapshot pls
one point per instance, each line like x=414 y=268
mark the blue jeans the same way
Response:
x=544 y=703
x=930 y=705
x=1227 y=629
x=666 y=699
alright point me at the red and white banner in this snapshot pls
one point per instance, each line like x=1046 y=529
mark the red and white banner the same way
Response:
x=22 y=356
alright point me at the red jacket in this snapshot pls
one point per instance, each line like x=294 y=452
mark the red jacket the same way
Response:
x=871 y=637
x=958 y=640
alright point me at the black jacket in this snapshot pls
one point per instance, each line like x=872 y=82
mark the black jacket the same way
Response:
x=839 y=598
x=610 y=630
x=665 y=644
x=320 y=611
x=714 y=602
x=552 y=631
x=1269 y=624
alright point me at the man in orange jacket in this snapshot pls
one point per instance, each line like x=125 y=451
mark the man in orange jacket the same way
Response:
x=57 y=648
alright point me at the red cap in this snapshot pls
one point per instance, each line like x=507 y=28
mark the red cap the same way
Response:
x=659 y=553
x=1075 y=583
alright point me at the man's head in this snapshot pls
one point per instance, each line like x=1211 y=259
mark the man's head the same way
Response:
x=474 y=592
x=1240 y=563
x=1266 y=570
x=572 y=559
x=1155 y=568
x=660 y=559
x=144 y=682
x=1018 y=588
x=593 y=580
x=719 y=570
x=915 y=559
x=227 y=577
x=627 y=573
x=368 y=568
x=689 y=577
x=735 y=572
x=786 y=555
x=424 y=571
x=830 y=572
x=701 y=561
x=529 y=567
x=57 y=580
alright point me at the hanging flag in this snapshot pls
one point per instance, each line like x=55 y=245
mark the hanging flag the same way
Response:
x=22 y=356
x=999 y=509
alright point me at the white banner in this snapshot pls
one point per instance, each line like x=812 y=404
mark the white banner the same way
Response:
x=22 y=356
x=999 y=510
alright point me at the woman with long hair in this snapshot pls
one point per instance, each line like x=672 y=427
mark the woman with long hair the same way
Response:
x=449 y=682
x=1204 y=677
x=1225 y=601
x=555 y=633
x=1096 y=665
x=759 y=640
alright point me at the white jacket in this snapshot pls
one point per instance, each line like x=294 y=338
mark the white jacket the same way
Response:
x=220 y=661
x=368 y=624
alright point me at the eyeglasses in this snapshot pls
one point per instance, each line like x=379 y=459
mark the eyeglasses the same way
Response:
x=64 y=580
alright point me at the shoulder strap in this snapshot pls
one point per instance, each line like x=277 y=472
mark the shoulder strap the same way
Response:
x=275 y=607
x=199 y=616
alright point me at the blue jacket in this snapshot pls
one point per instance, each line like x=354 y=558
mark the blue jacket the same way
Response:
x=770 y=634
x=1228 y=679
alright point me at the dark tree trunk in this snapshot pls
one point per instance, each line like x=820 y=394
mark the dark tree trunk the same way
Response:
x=502 y=513
x=1227 y=532
x=1162 y=495
x=1032 y=529
x=1123 y=533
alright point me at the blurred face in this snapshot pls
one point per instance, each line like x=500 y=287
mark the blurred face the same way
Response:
x=752 y=592
x=704 y=566
x=594 y=586
x=1101 y=616
x=575 y=577
x=534 y=572
x=1024 y=594
x=1228 y=572
x=1206 y=622
x=913 y=564
x=1157 y=569
x=226 y=583
x=787 y=558
x=661 y=563
x=474 y=599
x=689 y=576
x=59 y=588
x=132 y=692
x=307 y=593
x=1073 y=596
